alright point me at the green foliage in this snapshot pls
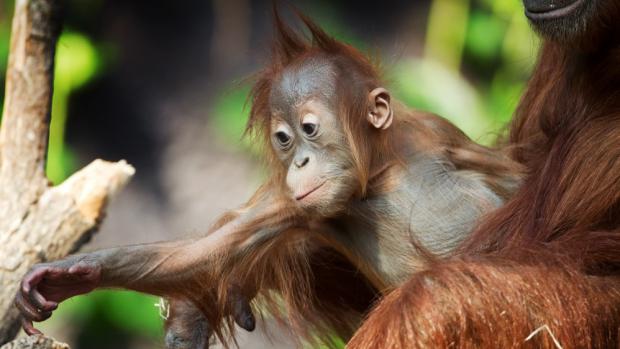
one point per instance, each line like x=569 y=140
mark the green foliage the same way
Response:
x=485 y=35
x=4 y=44
x=77 y=61
x=133 y=312
x=230 y=114
x=445 y=36
x=427 y=85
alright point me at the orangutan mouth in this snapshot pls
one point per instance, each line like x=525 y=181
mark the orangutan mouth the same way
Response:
x=302 y=196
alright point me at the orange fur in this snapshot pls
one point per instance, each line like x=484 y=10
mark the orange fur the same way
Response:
x=492 y=303
x=550 y=256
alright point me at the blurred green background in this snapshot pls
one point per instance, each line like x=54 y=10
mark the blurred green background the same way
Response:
x=161 y=84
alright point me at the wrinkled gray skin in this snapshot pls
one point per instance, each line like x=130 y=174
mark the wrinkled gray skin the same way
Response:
x=306 y=94
x=434 y=204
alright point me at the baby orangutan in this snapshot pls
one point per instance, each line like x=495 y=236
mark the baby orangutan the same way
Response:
x=362 y=192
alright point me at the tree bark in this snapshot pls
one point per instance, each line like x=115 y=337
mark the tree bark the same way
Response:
x=39 y=222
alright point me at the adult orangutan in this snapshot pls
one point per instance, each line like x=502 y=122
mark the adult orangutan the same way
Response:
x=544 y=266
x=363 y=193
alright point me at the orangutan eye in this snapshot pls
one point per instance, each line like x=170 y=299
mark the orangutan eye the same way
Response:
x=310 y=125
x=310 y=129
x=283 y=139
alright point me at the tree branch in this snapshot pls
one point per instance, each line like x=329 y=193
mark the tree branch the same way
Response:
x=39 y=222
x=25 y=122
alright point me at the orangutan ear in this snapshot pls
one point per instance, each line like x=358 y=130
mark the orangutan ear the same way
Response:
x=380 y=114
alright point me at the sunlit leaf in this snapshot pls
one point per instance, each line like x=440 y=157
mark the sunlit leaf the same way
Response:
x=77 y=61
x=485 y=35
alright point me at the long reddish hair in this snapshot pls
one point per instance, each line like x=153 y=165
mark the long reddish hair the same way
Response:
x=567 y=133
x=549 y=259
x=299 y=276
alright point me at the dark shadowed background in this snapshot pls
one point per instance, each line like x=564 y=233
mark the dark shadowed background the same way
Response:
x=162 y=84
